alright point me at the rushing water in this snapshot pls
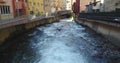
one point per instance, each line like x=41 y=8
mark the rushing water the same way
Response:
x=61 y=42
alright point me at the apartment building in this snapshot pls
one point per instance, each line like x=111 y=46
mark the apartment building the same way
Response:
x=83 y=4
x=35 y=7
x=95 y=6
x=52 y=6
x=112 y=5
x=20 y=8
x=6 y=9
x=68 y=5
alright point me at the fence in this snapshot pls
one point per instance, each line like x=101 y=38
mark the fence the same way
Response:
x=105 y=16
x=21 y=20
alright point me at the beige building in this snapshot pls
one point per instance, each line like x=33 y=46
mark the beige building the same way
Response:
x=68 y=5
x=52 y=6
x=111 y=5
x=61 y=5
x=47 y=6
x=6 y=9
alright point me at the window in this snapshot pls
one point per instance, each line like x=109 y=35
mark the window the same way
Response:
x=38 y=4
x=5 y=9
x=30 y=3
x=34 y=3
x=116 y=4
x=41 y=4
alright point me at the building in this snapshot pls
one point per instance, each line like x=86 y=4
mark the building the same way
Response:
x=6 y=9
x=20 y=8
x=76 y=7
x=112 y=5
x=47 y=6
x=95 y=6
x=61 y=5
x=104 y=6
x=52 y=6
x=35 y=7
x=68 y=5
x=89 y=8
x=83 y=4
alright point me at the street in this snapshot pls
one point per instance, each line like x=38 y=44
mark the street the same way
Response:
x=60 y=42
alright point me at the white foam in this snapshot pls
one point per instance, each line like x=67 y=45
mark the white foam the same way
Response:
x=58 y=52
x=57 y=48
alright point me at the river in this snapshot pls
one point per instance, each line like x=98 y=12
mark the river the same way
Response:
x=60 y=42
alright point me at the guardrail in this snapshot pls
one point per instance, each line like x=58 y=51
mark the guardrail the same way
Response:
x=109 y=17
x=62 y=12
x=17 y=21
x=10 y=20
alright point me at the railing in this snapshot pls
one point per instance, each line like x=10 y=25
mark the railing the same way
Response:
x=109 y=16
x=10 y=20
x=19 y=20
x=62 y=12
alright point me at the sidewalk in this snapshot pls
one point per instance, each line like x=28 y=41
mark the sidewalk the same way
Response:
x=10 y=20
x=18 y=21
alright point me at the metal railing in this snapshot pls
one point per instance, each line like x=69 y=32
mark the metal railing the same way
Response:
x=21 y=20
x=62 y=12
x=105 y=16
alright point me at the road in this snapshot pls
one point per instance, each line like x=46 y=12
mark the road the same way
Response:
x=60 y=42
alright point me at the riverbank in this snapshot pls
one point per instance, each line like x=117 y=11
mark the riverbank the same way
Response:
x=110 y=30
x=17 y=28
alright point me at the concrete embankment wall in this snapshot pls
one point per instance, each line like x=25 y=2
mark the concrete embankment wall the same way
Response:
x=109 y=30
x=14 y=31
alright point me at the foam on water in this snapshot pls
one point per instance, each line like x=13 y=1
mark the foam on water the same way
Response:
x=59 y=52
x=57 y=48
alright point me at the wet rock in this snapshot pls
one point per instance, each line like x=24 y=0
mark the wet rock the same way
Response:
x=59 y=29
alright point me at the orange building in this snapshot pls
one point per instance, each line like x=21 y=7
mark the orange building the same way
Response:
x=20 y=8
x=83 y=4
